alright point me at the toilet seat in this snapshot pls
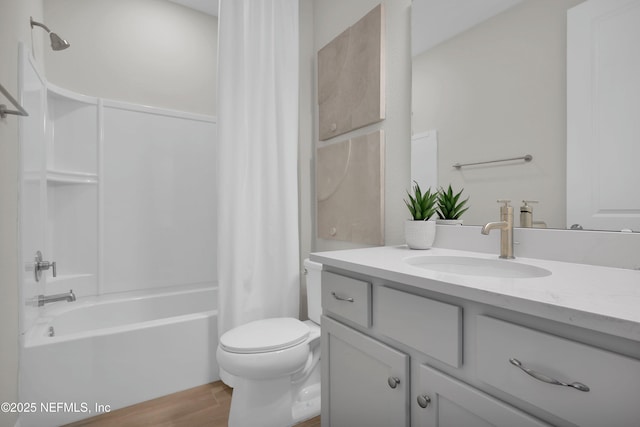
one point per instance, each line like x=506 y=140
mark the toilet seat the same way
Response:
x=267 y=335
x=264 y=349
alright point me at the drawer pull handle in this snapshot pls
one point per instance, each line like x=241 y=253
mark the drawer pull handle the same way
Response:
x=339 y=298
x=393 y=382
x=546 y=379
x=423 y=401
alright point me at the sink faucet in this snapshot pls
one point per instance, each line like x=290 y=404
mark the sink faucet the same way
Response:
x=45 y=299
x=505 y=225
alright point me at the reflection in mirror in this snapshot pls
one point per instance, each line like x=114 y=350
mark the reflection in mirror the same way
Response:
x=496 y=90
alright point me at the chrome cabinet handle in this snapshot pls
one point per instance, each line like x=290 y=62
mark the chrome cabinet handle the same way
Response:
x=393 y=382
x=546 y=379
x=423 y=401
x=339 y=298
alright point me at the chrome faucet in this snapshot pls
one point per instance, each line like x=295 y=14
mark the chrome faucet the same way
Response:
x=505 y=225
x=46 y=299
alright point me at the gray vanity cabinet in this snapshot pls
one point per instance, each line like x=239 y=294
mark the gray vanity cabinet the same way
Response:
x=366 y=382
x=395 y=355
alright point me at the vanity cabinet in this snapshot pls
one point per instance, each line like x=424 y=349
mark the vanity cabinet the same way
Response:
x=398 y=355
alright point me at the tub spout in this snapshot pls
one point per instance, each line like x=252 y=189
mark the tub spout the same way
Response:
x=46 y=299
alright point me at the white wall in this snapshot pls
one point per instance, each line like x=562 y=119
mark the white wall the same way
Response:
x=149 y=52
x=331 y=17
x=14 y=27
x=496 y=91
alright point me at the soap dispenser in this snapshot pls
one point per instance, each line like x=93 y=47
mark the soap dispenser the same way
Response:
x=526 y=214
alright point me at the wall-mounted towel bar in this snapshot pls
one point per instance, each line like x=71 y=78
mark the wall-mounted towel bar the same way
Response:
x=3 y=108
x=526 y=158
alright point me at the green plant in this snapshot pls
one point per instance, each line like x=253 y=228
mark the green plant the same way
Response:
x=449 y=204
x=422 y=206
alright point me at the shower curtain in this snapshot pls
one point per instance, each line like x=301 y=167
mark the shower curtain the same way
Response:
x=257 y=161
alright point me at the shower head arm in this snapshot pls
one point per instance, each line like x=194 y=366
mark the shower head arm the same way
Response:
x=37 y=24
x=57 y=42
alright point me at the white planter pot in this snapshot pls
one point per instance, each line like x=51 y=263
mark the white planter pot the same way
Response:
x=419 y=234
x=449 y=221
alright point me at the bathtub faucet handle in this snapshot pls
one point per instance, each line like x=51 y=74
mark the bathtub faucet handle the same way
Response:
x=41 y=265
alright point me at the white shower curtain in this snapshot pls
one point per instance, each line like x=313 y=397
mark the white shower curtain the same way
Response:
x=257 y=161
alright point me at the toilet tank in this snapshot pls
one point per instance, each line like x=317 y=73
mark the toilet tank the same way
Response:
x=314 y=305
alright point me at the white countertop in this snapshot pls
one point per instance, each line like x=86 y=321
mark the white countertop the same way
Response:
x=604 y=299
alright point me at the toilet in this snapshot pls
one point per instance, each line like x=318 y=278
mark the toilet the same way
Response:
x=273 y=365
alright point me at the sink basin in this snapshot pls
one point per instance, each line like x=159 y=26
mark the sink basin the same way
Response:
x=469 y=266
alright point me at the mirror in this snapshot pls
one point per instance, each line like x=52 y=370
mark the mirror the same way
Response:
x=490 y=78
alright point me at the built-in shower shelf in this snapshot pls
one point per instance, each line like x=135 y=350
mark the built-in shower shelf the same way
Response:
x=68 y=177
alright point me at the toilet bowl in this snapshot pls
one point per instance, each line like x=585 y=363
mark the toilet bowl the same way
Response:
x=273 y=365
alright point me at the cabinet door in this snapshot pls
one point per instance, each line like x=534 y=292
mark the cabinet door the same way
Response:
x=364 y=382
x=451 y=403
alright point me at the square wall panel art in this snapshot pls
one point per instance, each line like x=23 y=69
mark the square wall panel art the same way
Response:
x=350 y=190
x=351 y=77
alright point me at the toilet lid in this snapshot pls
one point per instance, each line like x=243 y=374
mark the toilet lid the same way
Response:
x=265 y=335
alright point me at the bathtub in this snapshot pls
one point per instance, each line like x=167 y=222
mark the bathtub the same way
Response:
x=102 y=353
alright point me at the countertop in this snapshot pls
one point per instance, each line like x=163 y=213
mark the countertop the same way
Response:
x=604 y=299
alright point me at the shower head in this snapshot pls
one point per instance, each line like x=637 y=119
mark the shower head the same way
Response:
x=57 y=42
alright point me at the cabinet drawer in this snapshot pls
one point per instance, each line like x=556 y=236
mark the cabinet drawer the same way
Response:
x=429 y=326
x=613 y=380
x=347 y=297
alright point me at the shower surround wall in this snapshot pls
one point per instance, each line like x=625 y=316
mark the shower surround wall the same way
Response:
x=123 y=191
x=119 y=196
x=158 y=201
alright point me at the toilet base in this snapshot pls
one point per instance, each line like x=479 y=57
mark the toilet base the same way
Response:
x=308 y=406
x=227 y=378
x=274 y=402
x=261 y=402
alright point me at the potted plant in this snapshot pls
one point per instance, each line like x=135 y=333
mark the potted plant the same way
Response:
x=420 y=230
x=450 y=207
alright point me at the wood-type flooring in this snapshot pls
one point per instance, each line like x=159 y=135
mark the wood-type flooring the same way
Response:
x=204 y=406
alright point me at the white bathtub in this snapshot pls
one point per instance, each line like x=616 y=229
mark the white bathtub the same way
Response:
x=116 y=350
